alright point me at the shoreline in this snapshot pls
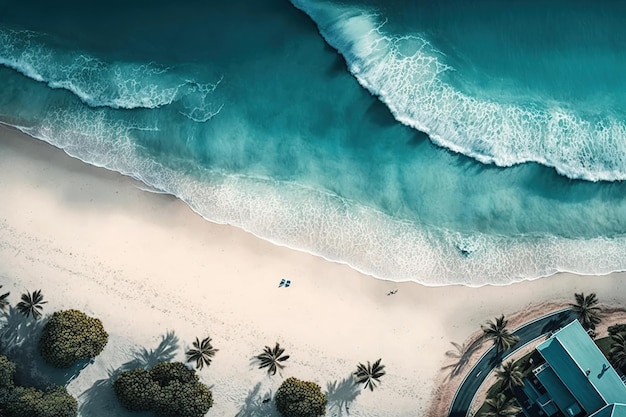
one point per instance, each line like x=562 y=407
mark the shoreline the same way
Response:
x=145 y=263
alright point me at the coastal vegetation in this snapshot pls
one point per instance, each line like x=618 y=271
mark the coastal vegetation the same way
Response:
x=296 y=398
x=169 y=389
x=496 y=330
x=70 y=336
x=587 y=310
x=369 y=374
x=19 y=401
x=4 y=303
x=510 y=375
x=201 y=352
x=31 y=304
x=501 y=406
x=502 y=397
x=272 y=359
x=617 y=352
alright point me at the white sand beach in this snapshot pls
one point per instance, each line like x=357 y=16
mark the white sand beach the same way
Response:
x=145 y=264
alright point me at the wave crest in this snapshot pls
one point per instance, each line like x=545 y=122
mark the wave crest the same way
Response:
x=408 y=74
x=119 y=85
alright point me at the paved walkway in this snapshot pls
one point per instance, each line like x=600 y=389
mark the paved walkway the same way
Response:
x=490 y=360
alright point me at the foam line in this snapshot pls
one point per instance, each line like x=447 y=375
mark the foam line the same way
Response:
x=409 y=75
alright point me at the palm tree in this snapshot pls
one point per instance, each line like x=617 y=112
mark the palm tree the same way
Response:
x=500 y=406
x=617 y=354
x=502 y=338
x=588 y=312
x=272 y=358
x=3 y=300
x=369 y=374
x=31 y=304
x=510 y=376
x=201 y=353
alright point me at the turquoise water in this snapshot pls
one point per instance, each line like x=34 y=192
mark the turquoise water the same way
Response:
x=434 y=143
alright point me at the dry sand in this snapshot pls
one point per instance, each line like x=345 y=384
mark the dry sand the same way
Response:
x=144 y=264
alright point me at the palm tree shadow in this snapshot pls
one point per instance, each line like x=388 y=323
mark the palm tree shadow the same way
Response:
x=462 y=354
x=164 y=352
x=100 y=400
x=256 y=405
x=340 y=394
x=17 y=330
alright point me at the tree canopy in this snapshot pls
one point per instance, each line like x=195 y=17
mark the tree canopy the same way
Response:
x=18 y=401
x=271 y=359
x=587 y=310
x=369 y=374
x=497 y=331
x=501 y=406
x=201 y=353
x=70 y=336
x=296 y=398
x=168 y=389
x=31 y=304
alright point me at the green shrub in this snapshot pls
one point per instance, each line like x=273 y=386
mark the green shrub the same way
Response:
x=7 y=387
x=165 y=372
x=168 y=389
x=70 y=336
x=17 y=401
x=296 y=398
x=617 y=328
x=136 y=390
x=7 y=371
x=184 y=400
x=28 y=402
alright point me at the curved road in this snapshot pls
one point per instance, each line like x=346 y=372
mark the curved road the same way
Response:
x=527 y=333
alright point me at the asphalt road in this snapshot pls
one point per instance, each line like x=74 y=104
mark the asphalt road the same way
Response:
x=490 y=360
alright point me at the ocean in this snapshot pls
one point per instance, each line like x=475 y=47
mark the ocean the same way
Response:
x=446 y=142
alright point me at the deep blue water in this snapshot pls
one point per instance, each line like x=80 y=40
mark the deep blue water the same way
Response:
x=451 y=142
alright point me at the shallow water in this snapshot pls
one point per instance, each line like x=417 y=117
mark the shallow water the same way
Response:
x=245 y=112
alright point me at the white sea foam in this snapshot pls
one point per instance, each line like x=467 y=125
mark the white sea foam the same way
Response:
x=408 y=74
x=327 y=225
x=119 y=85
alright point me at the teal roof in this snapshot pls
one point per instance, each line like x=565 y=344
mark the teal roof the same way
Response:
x=611 y=410
x=571 y=352
x=558 y=391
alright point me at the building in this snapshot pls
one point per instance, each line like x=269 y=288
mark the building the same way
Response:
x=574 y=378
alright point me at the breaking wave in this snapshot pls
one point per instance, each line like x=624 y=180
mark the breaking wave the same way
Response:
x=411 y=76
x=121 y=85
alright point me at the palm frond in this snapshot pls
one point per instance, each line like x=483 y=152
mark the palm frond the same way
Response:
x=501 y=406
x=271 y=358
x=201 y=353
x=617 y=352
x=4 y=303
x=369 y=374
x=497 y=331
x=31 y=304
x=587 y=310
